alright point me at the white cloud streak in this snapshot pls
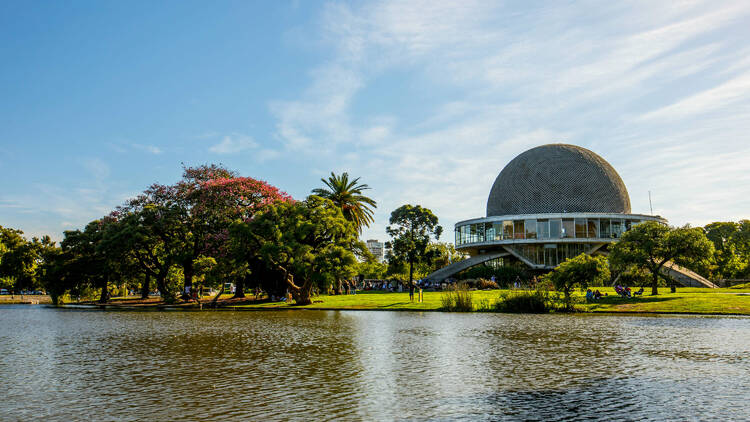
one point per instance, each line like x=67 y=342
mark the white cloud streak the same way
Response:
x=655 y=88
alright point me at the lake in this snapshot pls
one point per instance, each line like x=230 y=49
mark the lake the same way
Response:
x=92 y=365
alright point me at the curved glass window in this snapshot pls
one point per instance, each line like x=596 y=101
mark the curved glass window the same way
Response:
x=507 y=229
x=518 y=229
x=530 y=226
x=580 y=227
x=542 y=229
x=555 y=229
x=592 y=227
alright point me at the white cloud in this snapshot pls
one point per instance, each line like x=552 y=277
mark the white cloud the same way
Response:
x=232 y=144
x=151 y=149
x=509 y=77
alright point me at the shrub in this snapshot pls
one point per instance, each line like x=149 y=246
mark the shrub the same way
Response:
x=486 y=284
x=525 y=301
x=457 y=299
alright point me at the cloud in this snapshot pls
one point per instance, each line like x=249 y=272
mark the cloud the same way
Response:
x=655 y=88
x=151 y=149
x=232 y=144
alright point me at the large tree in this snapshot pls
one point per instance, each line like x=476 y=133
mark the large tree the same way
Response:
x=411 y=229
x=651 y=245
x=309 y=242
x=347 y=195
x=581 y=271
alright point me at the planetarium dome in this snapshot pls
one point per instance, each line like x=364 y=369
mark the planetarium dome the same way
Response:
x=557 y=178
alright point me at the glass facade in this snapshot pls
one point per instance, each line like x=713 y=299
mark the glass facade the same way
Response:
x=580 y=228
x=550 y=254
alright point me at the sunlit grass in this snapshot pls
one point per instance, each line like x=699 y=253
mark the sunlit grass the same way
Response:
x=686 y=300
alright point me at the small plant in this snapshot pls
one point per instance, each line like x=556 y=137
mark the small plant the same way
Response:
x=457 y=299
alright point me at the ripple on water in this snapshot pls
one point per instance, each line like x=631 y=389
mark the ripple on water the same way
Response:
x=132 y=366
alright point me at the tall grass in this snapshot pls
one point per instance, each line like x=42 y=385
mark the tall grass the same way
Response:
x=458 y=299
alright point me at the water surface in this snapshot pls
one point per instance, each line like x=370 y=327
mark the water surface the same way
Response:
x=358 y=365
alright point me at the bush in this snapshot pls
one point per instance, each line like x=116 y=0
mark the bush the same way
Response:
x=525 y=301
x=484 y=284
x=458 y=299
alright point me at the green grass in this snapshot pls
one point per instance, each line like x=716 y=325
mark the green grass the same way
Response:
x=686 y=300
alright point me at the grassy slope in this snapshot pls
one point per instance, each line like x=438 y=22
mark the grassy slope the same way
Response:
x=686 y=300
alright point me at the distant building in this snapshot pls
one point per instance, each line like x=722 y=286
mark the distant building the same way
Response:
x=377 y=249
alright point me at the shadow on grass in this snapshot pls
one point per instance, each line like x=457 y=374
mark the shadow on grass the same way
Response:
x=617 y=300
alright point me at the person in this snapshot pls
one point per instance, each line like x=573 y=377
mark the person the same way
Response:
x=411 y=291
x=589 y=295
x=639 y=292
x=597 y=294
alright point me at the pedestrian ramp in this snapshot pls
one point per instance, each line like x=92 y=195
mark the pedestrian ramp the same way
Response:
x=685 y=276
x=459 y=266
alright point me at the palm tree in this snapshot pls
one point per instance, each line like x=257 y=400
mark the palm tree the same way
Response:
x=347 y=194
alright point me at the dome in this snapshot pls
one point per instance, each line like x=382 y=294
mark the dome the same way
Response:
x=557 y=178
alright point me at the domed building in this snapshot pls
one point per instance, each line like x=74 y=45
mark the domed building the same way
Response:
x=550 y=203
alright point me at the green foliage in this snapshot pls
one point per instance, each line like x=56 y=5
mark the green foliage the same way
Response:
x=309 y=242
x=442 y=253
x=411 y=229
x=19 y=259
x=651 y=245
x=525 y=301
x=458 y=299
x=372 y=269
x=581 y=271
x=732 y=248
x=347 y=195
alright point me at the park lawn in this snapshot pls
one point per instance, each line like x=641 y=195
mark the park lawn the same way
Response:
x=698 y=301
x=373 y=300
x=686 y=300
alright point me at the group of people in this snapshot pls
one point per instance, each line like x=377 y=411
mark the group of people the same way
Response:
x=594 y=295
x=623 y=291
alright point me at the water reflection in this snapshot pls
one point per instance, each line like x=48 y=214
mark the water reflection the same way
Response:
x=316 y=365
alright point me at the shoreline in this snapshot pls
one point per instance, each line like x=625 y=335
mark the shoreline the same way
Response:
x=686 y=301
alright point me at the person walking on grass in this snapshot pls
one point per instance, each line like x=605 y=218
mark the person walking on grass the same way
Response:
x=411 y=292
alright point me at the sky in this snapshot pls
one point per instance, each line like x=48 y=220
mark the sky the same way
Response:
x=425 y=101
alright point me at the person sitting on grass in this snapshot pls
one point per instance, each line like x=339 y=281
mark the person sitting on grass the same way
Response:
x=639 y=292
x=589 y=295
x=597 y=294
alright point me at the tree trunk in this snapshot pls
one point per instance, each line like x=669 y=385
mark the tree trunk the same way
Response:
x=239 y=289
x=146 y=286
x=187 y=271
x=672 y=285
x=655 y=283
x=104 y=296
x=411 y=272
x=301 y=295
x=161 y=285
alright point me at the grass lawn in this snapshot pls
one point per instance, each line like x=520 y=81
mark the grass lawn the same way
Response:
x=686 y=300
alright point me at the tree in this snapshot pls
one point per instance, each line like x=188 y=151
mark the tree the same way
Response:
x=88 y=260
x=309 y=242
x=580 y=271
x=652 y=245
x=215 y=198
x=732 y=255
x=19 y=259
x=144 y=233
x=411 y=229
x=347 y=195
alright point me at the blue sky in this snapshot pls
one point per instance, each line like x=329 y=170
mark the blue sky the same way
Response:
x=425 y=100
